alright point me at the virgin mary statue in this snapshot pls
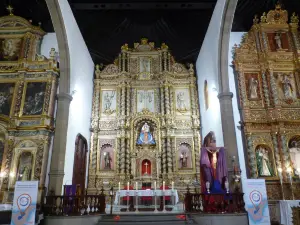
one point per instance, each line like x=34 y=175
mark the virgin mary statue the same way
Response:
x=213 y=165
x=145 y=136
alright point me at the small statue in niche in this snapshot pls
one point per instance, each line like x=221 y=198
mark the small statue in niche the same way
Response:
x=8 y=49
x=145 y=136
x=181 y=102
x=253 y=86
x=263 y=162
x=278 y=40
x=183 y=159
x=25 y=175
x=295 y=156
x=287 y=86
x=107 y=160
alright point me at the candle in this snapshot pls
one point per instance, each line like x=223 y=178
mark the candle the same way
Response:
x=136 y=185
x=172 y=185
x=119 y=186
x=163 y=186
x=154 y=185
x=127 y=186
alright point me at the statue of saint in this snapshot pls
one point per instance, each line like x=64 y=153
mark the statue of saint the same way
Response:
x=145 y=136
x=7 y=48
x=263 y=163
x=181 y=102
x=287 y=87
x=295 y=156
x=278 y=40
x=253 y=84
x=108 y=100
x=107 y=160
x=213 y=165
x=25 y=175
x=183 y=159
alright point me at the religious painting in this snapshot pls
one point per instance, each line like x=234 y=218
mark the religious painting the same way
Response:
x=6 y=97
x=109 y=101
x=264 y=161
x=34 y=98
x=182 y=99
x=184 y=156
x=252 y=86
x=1 y=152
x=294 y=150
x=145 y=100
x=145 y=68
x=278 y=41
x=107 y=157
x=24 y=169
x=9 y=49
x=146 y=135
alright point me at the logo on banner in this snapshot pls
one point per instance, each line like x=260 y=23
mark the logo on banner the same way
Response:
x=23 y=202
x=256 y=199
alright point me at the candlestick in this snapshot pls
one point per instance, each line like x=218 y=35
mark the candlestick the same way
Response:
x=163 y=186
x=119 y=186
x=172 y=185
x=154 y=185
x=136 y=185
x=127 y=186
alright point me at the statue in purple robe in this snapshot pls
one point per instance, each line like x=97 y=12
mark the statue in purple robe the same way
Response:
x=213 y=165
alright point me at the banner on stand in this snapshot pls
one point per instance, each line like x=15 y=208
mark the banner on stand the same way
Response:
x=256 y=201
x=24 y=204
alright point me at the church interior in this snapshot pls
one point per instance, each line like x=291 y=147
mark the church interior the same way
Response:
x=167 y=108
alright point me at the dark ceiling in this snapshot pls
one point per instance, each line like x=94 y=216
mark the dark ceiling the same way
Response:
x=108 y=24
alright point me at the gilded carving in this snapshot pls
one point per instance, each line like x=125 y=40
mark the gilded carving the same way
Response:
x=149 y=88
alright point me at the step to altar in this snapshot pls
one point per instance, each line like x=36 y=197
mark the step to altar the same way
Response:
x=147 y=219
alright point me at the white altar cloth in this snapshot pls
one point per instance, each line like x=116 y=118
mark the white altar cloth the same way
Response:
x=286 y=213
x=140 y=193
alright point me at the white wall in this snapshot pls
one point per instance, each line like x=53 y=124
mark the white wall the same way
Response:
x=82 y=69
x=235 y=38
x=49 y=41
x=207 y=69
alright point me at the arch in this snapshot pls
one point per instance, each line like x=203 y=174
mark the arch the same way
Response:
x=62 y=40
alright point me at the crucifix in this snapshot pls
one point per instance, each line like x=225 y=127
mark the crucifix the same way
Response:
x=146 y=164
x=10 y=10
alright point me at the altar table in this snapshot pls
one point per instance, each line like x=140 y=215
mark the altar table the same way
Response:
x=286 y=213
x=144 y=193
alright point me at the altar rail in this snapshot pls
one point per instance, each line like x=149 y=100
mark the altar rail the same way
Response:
x=74 y=205
x=214 y=203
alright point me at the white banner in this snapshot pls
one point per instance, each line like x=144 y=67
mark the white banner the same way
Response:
x=24 y=204
x=256 y=201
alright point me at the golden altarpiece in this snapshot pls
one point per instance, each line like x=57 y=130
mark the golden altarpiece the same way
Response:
x=145 y=120
x=28 y=85
x=268 y=73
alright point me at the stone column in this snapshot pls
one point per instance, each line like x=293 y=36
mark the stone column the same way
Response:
x=128 y=100
x=56 y=173
x=228 y=126
x=251 y=157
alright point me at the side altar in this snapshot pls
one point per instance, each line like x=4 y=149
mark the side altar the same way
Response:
x=145 y=121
